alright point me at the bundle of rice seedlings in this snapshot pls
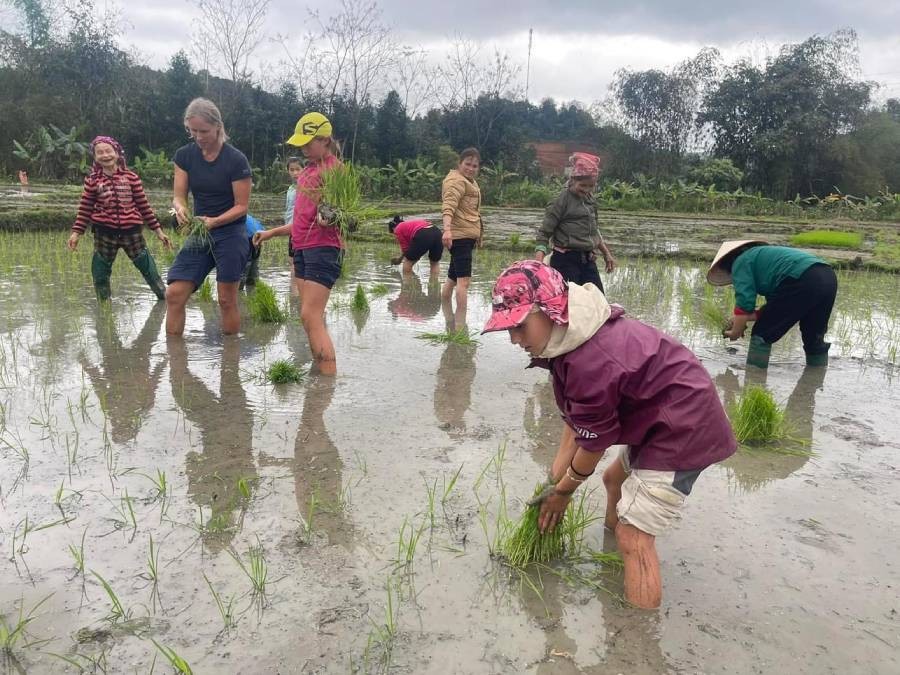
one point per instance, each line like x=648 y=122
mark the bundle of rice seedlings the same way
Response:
x=360 y=301
x=756 y=418
x=263 y=304
x=283 y=372
x=524 y=544
x=379 y=289
x=341 y=198
x=195 y=230
x=460 y=336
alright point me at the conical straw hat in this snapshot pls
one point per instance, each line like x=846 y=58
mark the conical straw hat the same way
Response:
x=721 y=277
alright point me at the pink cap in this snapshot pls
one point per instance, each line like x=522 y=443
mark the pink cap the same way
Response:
x=523 y=285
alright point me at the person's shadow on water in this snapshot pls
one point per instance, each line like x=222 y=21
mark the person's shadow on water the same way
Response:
x=222 y=475
x=125 y=382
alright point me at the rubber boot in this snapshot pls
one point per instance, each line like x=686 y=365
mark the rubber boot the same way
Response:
x=101 y=271
x=147 y=267
x=759 y=352
x=818 y=356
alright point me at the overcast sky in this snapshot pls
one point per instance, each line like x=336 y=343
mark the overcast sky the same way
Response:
x=578 y=44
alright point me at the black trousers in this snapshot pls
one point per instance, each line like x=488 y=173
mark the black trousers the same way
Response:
x=578 y=267
x=807 y=300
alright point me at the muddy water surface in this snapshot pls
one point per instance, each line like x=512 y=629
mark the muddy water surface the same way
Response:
x=782 y=563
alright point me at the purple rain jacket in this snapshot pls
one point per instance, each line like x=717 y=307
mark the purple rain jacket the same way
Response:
x=631 y=384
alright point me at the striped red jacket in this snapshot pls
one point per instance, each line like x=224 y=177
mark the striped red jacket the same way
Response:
x=116 y=203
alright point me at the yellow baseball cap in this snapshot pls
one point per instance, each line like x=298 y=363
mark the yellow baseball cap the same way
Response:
x=308 y=127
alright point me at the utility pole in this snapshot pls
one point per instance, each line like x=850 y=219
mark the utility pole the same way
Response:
x=528 y=67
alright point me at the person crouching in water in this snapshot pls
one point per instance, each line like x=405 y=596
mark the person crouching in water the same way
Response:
x=617 y=381
x=798 y=287
x=570 y=226
x=416 y=238
x=114 y=204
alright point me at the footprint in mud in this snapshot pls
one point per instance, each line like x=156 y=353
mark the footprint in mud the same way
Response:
x=820 y=536
x=849 y=429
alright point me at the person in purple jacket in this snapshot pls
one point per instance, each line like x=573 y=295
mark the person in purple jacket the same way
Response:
x=617 y=381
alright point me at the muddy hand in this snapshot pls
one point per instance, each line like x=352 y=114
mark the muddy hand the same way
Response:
x=547 y=489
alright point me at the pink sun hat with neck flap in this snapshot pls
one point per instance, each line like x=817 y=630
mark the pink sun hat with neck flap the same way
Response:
x=523 y=286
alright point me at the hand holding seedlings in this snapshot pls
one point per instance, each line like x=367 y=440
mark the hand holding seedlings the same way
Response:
x=553 y=508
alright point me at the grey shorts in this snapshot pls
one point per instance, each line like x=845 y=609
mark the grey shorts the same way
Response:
x=652 y=500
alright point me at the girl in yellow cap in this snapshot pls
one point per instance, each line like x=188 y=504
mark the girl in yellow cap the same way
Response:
x=318 y=248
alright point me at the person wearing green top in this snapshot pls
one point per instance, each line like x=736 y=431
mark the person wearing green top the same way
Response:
x=798 y=287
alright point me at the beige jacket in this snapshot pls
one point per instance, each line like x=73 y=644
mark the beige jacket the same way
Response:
x=461 y=200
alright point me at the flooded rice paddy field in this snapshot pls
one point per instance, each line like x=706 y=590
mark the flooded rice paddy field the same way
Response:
x=158 y=495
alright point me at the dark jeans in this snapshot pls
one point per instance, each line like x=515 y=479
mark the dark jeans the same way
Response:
x=577 y=267
x=807 y=300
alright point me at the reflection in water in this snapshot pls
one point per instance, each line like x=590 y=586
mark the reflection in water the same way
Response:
x=317 y=467
x=453 y=380
x=125 y=382
x=226 y=433
x=751 y=469
x=542 y=423
x=413 y=302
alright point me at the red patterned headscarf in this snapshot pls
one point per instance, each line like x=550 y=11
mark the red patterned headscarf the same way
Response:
x=523 y=286
x=95 y=167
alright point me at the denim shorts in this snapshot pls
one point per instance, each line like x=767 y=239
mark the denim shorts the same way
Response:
x=321 y=264
x=228 y=255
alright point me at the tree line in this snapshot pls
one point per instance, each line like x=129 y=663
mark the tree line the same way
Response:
x=801 y=123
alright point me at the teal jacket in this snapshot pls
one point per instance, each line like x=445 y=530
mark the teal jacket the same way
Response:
x=762 y=269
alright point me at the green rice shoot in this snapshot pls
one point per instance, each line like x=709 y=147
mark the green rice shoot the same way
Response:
x=263 y=304
x=461 y=336
x=379 y=290
x=195 y=229
x=204 y=293
x=360 y=301
x=756 y=417
x=828 y=239
x=283 y=372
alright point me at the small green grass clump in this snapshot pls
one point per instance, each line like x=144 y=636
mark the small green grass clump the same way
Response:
x=283 y=372
x=263 y=304
x=828 y=238
x=379 y=289
x=756 y=418
x=360 y=301
x=204 y=293
x=460 y=336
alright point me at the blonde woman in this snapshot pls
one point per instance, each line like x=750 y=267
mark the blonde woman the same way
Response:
x=218 y=176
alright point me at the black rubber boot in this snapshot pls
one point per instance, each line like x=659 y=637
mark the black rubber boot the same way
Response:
x=101 y=271
x=818 y=356
x=758 y=352
x=147 y=267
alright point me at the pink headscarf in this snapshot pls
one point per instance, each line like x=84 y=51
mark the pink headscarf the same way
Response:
x=584 y=165
x=95 y=167
x=524 y=285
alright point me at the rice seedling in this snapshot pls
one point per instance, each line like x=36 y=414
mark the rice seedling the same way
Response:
x=11 y=633
x=263 y=305
x=360 y=302
x=341 y=198
x=460 y=336
x=117 y=610
x=407 y=542
x=204 y=293
x=243 y=488
x=448 y=487
x=283 y=372
x=77 y=554
x=430 y=494
x=379 y=290
x=756 y=418
x=380 y=642
x=828 y=239
x=152 y=574
x=312 y=508
x=176 y=661
x=226 y=609
x=257 y=570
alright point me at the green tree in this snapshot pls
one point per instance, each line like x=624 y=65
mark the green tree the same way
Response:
x=777 y=123
x=392 y=130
